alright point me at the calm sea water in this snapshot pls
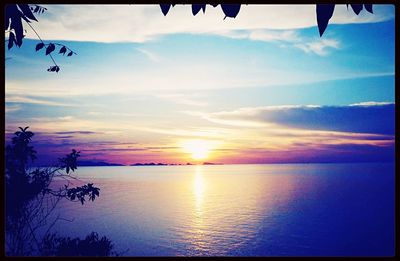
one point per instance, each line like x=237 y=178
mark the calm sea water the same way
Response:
x=245 y=210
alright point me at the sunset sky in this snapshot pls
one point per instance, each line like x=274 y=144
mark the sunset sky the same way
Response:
x=261 y=88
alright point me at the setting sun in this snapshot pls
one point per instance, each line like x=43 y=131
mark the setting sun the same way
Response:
x=198 y=149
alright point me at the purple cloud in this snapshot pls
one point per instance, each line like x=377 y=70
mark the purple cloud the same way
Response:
x=376 y=118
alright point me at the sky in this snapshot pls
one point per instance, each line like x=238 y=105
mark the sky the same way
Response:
x=261 y=88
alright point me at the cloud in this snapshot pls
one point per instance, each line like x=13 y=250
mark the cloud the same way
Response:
x=370 y=103
x=75 y=132
x=326 y=153
x=34 y=100
x=114 y=149
x=152 y=56
x=181 y=99
x=140 y=23
x=292 y=38
x=53 y=145
x=318 y=46
x=207 y=133
x=163 y=148
x=12 y=108
x=377 y=118
x=264 y=35
x=66 y=118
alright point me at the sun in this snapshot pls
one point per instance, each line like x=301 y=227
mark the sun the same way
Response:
x=198 y=149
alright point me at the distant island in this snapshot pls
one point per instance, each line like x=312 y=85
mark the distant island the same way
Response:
x=149 y=164
x=172 y=164
x=91 y=163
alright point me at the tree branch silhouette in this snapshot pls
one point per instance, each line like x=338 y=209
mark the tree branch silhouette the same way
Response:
x=14 y=15
x=33 y=29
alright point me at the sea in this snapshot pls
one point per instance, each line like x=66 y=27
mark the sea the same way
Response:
x=238 y=210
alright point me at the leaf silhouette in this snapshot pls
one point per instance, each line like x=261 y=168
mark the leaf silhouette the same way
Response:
x=357 y=8
x=27 y=11
x=53 y=69
x=16 y=24
x=369 y=8
x=38 y=9
x=197 y=7
x=324 y=13
x=63 y=50
x=39 y=46
x=50 y=48
x=230 y=10
x=165 y=8
x=70 y=53
x=11 y=40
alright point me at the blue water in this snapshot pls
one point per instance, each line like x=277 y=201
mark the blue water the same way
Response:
x=244 y=210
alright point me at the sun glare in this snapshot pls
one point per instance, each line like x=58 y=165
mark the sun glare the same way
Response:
x=198 y=149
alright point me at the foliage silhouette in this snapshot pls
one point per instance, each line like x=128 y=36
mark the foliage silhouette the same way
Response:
x=230 y=10
x=30 y=199
x=196 y=8
x=324 y=11
x=92 y=245
x=14 y=15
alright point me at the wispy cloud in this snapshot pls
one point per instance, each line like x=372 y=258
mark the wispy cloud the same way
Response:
x=34 y=100
x=265 y=35
x=151 y=55
x=12 y=108
x=319 y=46
x=76 y=132
x=114 y=149
x=371 y=103
x=286 y=38
x=186 y=132
x=181 y=99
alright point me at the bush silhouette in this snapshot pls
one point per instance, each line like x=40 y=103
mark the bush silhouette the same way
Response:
x=30 y=201
x=92 y=245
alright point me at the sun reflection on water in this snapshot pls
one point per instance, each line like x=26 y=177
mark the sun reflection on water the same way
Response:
x=225 y=210
x=198 y=187
x=198 y=225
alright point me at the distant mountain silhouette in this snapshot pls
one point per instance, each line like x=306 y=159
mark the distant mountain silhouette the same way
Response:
x=150 y=164
x=96 y=163
x=172 y=164
x=209 y=163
